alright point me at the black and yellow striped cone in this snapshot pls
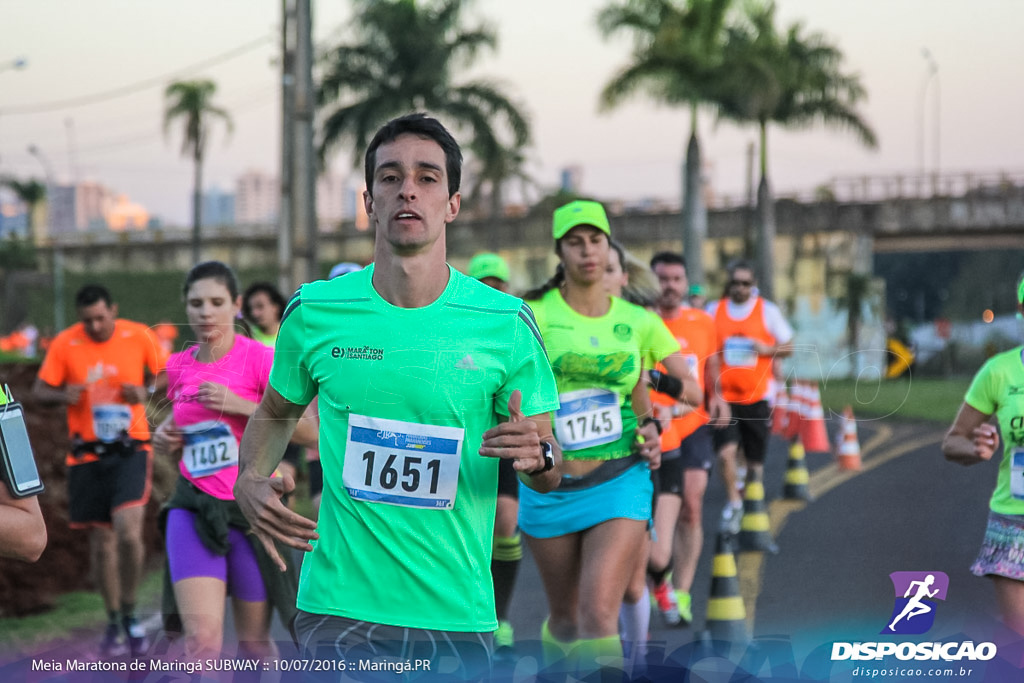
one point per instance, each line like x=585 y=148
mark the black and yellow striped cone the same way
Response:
x=755 y=527
x=797 y=477
x=727 y=617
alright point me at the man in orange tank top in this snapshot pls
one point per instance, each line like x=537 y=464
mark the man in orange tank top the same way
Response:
x=753 y=333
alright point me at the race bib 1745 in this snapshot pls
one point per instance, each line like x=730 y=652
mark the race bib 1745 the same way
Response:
x=588 y=417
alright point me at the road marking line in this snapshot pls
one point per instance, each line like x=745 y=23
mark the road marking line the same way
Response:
x=750 y=565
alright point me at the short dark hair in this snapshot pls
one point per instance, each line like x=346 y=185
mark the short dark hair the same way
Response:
x=272 y=292
x=668 y=257
x=425 y=127
x=91 y=294
x=740 y=264
x=212 y=270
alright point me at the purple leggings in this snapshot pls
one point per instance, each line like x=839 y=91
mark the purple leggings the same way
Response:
x=188 y=558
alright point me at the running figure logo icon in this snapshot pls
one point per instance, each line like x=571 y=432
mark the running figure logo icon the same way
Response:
x=914 y=609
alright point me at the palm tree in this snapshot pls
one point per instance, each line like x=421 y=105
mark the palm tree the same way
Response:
x=386 y=73
x=31 y=192
x=494 y=169
x=794 y=80
x=677 y=60
x=191 y=102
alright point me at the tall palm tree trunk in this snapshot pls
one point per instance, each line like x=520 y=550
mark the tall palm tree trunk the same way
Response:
x=695 y=215
x=765 y=225
x=197 y=204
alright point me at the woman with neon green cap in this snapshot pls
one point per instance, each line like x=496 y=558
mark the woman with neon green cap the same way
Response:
x=996 y=390
x=586 y=534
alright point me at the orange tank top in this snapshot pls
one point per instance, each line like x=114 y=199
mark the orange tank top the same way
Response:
x=695 y=331
x=745 y=376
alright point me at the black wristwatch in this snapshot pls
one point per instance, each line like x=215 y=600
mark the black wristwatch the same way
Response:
x=549 y=459
x=657 y=424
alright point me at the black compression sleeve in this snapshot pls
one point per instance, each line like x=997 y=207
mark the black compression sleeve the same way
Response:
x=666 y=384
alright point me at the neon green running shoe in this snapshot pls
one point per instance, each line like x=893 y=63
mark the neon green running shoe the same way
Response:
x=683 y=601
x=505 y=636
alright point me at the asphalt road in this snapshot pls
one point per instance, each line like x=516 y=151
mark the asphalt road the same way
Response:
x=907 y=509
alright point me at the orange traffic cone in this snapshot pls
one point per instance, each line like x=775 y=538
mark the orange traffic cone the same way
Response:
x=847 y=445
x=794 y=412
x=780 y=411
x=813 y=434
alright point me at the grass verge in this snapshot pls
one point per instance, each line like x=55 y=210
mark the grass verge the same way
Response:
x=913 y=398
x=79 y=611
x=73 y=613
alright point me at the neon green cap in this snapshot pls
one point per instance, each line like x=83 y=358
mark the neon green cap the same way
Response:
x=580 y=212
x=1020 y=292
x=488 y=265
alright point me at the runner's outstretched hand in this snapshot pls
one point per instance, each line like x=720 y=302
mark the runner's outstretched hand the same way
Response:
x=259 y=498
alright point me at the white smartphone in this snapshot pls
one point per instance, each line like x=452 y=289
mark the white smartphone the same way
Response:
x=18 y=469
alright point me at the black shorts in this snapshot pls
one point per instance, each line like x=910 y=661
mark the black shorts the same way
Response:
x=508 y=479
x=294 y=454
x=695 y=453
x=436 y=655
x=316 y=477
x=98 y=489
x=750 y=427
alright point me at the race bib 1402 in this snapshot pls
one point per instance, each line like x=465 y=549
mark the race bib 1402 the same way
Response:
x=208 y=447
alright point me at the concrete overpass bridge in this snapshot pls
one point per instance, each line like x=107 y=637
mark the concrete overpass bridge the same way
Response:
x=826 y=240
x=891 y=213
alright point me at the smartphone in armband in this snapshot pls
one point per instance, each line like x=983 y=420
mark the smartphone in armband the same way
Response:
x=18 y=469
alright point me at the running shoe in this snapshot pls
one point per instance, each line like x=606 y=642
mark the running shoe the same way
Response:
x=683 y=603
x=112 y=644
x=732 y=513
x=504 y=646
x=505 y=636
x=665 y=599
x=138 y=641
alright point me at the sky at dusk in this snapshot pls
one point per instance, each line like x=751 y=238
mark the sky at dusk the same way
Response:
x=552 y=61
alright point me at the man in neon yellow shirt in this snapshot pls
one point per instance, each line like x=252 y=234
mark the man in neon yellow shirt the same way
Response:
x=425 y=378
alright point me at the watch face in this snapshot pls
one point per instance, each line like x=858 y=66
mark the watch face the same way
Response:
x=549 y=456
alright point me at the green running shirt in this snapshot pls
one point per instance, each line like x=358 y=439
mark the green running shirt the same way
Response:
x=405 y=395
x=265 y=339
x=998 y=389
x=597 y=362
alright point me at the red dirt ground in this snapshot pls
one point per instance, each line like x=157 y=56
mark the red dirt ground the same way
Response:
x=32 y=588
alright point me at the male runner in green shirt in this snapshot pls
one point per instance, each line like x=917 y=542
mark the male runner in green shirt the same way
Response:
x=425 y=377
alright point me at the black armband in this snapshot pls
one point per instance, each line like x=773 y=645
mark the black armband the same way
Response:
x=666 y=384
